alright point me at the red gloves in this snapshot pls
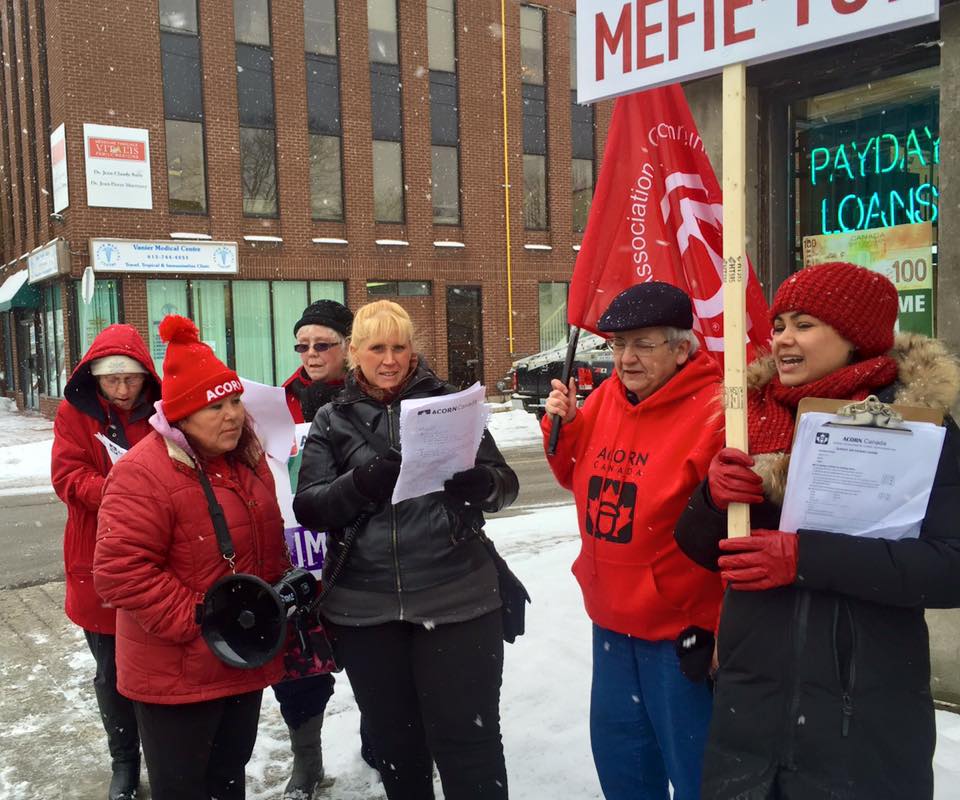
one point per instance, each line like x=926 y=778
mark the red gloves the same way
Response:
x=763 y=560
x=731 y=480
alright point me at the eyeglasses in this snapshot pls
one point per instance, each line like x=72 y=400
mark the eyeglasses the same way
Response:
x=640 y=347
x=116 y=381
x=319 y=347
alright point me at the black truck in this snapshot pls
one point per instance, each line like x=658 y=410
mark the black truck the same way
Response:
x=529 y=378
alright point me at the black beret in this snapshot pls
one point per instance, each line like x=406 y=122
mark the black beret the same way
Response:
x=330 y=313
x=648 y=305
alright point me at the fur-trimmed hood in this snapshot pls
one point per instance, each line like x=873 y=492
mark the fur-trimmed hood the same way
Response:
x=928 y=377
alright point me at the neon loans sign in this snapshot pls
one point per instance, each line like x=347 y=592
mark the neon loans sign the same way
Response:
x=885 y=159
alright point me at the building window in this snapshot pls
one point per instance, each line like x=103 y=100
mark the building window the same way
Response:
x=582 y=139
x=8 y=366
x=444 y=114
x=92 y=318
x=553 y=314
x=399 y=288
x=323 y=109
x=54 y=343
x=289 y=300
x=252 y=339
x=258 y=167
x=534 y=118
x=866 y=183
x=386 y=114
x=183 y=106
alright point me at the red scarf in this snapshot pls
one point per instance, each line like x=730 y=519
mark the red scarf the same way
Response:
x=771 y=409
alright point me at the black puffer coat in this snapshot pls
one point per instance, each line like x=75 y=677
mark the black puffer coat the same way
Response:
x=823 y=691
x=420 y=560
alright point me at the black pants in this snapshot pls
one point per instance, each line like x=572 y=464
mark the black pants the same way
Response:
x=116 y=711
x=430 y=695
x=196 y=751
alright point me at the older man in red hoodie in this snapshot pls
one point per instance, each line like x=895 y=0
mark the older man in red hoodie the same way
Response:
x=107 y=402
x=632 y=455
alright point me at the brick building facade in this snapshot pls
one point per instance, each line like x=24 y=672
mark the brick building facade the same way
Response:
x=79 y=63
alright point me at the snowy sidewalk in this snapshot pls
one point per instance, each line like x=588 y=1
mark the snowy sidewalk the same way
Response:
x=51 y=743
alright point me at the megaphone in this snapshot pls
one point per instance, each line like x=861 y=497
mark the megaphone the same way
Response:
x=244 y=618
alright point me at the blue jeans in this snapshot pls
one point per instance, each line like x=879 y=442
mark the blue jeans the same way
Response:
x=648 y=723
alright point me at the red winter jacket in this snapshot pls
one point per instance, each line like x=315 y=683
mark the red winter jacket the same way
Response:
x=157 y=555
x=294 y=387
x=79 y=464
x=632 y=469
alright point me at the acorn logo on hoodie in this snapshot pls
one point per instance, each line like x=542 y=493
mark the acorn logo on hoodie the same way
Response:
x=610 y=509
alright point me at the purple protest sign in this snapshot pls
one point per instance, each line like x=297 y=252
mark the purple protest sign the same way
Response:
x=306 y=548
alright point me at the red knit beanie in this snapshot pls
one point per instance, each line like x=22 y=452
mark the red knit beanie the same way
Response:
x=860 y=304
x=193 y=377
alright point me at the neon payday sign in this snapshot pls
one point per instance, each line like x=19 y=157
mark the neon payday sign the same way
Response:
x=915 y=154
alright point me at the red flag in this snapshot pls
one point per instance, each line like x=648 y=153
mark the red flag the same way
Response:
x=657 y=214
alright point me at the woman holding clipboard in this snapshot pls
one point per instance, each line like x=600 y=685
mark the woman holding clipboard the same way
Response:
x=823 y=688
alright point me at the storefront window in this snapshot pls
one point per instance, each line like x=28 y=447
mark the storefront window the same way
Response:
x=53 y=342
x=163 y=298
x=209 y=311
x=553 y=314
x=866 y=166
x=252 y=340
x=8 y=368
x=102 y=311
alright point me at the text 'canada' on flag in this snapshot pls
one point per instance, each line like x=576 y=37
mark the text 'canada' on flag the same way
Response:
x=657 y=214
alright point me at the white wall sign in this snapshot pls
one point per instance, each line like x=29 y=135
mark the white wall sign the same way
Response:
x=45 y=262
x=131 y=255
x=628 y=46
x=58 y=165
x=117 y=162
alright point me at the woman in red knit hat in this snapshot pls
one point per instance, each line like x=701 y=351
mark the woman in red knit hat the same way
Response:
x=823 y=689
x=156 y=556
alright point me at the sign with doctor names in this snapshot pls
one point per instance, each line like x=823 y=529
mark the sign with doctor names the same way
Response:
x=117 y=164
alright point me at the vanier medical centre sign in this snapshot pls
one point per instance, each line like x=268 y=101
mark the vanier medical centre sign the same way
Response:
x=629 y=46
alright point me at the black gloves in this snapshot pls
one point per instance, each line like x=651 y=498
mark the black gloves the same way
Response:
x=473 y=485
x=376 y=478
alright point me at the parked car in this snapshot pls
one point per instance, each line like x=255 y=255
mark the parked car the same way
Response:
x=529 y=378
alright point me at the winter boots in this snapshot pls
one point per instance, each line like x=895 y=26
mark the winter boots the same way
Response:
x=307 y=760
x=125 y=780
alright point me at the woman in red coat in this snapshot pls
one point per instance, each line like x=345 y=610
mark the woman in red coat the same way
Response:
x=106 y=404
x=157 y=555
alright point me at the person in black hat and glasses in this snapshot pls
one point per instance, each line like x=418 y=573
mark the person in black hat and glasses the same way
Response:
x=322 y=333
x=631 y=456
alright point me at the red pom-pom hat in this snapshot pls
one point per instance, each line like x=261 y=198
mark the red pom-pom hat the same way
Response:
x=193 y=377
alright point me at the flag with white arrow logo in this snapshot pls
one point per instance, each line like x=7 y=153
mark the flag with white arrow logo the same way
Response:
x=657 y=215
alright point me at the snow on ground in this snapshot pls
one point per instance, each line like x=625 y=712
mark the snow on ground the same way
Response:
x=25 y=442
x=512 y=427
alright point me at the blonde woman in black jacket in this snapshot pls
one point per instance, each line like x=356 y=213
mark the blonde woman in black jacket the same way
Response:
x=415 y=612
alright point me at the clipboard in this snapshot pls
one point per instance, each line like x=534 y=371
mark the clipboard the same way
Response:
x=828 y=406
x=837 y=483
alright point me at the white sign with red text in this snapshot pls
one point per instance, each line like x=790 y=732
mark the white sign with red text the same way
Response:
x=58 y=168
x=628 y=45
x=117 y=162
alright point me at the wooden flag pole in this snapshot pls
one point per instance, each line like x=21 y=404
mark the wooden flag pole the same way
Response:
x=735 y=273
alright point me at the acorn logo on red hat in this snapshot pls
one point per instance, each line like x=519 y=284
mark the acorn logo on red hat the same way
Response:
x=193 y=376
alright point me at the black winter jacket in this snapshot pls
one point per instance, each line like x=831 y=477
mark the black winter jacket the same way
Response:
x=823 y=691
x=421 y=560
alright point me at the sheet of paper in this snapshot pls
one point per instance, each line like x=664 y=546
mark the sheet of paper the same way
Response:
x=267 y=407
x=872 y=482
x=114 y=451
x=438 y=437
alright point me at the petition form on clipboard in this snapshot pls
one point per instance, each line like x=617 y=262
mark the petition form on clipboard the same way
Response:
x=858 y=480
